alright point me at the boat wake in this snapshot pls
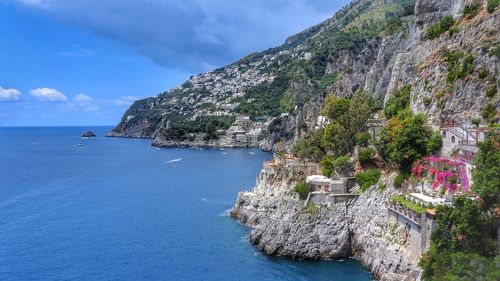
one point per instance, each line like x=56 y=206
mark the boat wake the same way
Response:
x=173 y=160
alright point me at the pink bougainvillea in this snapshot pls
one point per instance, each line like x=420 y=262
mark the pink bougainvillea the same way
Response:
x=445 y=172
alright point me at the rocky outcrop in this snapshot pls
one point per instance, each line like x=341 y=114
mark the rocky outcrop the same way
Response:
x=281 y=225
x=88 y=134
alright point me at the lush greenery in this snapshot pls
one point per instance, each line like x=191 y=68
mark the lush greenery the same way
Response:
x=463 y=243
x=368 y=178
x=302 y=189
x=489 y=113
x=434 y=143
x=399 y=199
x=340 y=166
x=265 y=99
x=405 y=139
x=400 y=101
x=184 y=129
x=434 y=31
x=487 y=173
x=366 y=155
x=347 y=118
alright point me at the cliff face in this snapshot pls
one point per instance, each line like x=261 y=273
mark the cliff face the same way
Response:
x=282 y=225
x=374 y=46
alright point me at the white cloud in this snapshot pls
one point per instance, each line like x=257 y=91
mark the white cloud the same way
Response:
x=33 y=3
x=47 y=94
x=9 y=95
x=126 y=100
x=83 y=99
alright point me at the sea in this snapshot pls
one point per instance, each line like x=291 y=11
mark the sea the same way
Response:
x=120 y=209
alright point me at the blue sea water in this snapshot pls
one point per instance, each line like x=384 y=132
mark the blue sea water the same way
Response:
x=119 y=209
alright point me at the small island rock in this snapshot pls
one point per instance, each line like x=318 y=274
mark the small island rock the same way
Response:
x=88 y=134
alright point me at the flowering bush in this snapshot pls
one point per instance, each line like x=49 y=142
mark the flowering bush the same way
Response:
x=446 y=173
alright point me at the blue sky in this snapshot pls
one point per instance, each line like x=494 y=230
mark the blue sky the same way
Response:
x=82 y=62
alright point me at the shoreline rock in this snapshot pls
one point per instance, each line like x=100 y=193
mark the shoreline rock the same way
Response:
x=88 y=134
x=282 y=226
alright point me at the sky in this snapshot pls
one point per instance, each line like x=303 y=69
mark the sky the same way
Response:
x=83 y=62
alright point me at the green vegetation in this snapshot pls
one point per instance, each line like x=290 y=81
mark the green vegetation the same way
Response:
x=266 y=99
x=434 y=31
x=463 y=243
x=405 y=139
x=184 y=129
x=492 y=5
x=482 y=73
x=459 y=65
x=312 y=209
x=489 y=113
x=434 y=143
x=348 y=117
x=400 y=101
x=487 y=173
x=362 y=139
x=427 y=101
x=302 y=189
x=366 y=155
x=491 y=91
x=339 y=166
x=310 y=147
x=399 y=199
x=398 y=181
x=368 y=178
x=471 y=10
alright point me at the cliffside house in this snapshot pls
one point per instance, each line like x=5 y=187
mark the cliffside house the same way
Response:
x=319 y=183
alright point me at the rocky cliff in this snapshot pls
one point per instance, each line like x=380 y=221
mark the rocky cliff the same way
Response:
x=282 y=225
x=372 y=46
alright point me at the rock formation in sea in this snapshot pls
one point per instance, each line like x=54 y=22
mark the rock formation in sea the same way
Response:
x=88 y=134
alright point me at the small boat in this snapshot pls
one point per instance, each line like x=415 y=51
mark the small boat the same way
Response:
x=251 y=152
x=79 y=144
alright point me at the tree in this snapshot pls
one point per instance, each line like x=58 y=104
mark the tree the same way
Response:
x=404 y=141
x=487 y=172
x=335 y=107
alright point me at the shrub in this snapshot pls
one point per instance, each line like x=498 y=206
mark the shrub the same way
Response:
x=495 y=51
x=404 y=140
x=491 y=91
x=489 y=112
x=368 y=178
x=366 y=154
x=427 y=101
x=434 y=143
x=442 y=26
x=482 y=73
x=399 y=102
x=492 y=5
x=362 y=139
x=398 y=181
x=327 y=165
x=342 y=165
x=476 y=121
x=312 y=209
x=471 y=10
x=302 y=189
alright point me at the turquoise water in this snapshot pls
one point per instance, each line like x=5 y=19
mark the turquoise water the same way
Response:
x=117 y=209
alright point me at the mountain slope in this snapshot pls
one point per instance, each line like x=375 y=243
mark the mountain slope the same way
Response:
x=373 y=46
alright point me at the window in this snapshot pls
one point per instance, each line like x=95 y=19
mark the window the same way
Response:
x=453 y=139
x=444 y=134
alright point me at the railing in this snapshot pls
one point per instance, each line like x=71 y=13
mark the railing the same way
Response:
x=405 y=212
